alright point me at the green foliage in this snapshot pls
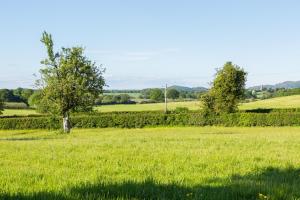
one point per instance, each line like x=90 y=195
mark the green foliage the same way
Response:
x=70 y=81
x=227 y=90
x=144 y=119
x=172 y=94
x=208 y=103
x=37 y=101
x=114 y=99
x=180 y=110
x=156 y=94
x=16 y=95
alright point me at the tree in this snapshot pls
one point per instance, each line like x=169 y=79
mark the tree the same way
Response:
x=37 y=101
x=70 y=82
x=156 y=94
x=227 y=90
x=172 y=94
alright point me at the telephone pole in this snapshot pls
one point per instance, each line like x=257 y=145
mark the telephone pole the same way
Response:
x=166 y=99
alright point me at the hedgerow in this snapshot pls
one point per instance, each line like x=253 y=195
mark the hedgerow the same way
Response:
x=143 y=119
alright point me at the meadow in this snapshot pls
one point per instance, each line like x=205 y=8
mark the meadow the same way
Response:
x=279 y=102
x=153 y=163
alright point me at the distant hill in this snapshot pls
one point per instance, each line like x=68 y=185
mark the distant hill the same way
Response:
x=188 y=89
x=286 y=84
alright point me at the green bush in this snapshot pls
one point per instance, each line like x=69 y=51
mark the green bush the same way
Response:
x=143 y=119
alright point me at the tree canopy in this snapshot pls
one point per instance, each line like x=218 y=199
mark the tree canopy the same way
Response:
x=70 y=82
x=228 y=88
x=172 y=94
x=156 y=94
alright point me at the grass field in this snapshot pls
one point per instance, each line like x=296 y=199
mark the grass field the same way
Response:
x=20 y=112
x=279 y=102
x=192 y=105
x=154 y=163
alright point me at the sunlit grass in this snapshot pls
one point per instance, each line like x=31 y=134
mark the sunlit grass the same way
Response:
x=192 y=105
x=279 y=102
x=151 y=163
x=19 y=112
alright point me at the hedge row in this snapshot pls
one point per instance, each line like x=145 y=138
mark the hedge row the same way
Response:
x=139 y=120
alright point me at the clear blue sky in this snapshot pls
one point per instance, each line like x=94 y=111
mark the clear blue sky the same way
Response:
x=149 y=43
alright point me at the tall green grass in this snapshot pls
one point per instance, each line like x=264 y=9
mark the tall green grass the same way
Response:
x=154 y=163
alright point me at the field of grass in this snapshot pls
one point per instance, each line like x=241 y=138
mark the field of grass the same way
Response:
x=20 y=112
x=153 y=163
x=278 y=102
x=192 y=105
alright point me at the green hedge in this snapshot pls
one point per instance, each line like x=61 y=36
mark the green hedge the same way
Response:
x=139 y=120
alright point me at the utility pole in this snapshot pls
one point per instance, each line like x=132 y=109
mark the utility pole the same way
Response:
x=166 y=99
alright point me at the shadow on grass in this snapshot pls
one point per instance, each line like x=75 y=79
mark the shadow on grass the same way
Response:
x=259 y=110
x=272 y=184
x=28 y=139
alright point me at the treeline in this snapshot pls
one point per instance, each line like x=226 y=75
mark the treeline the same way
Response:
x=271 y=93
x=16 y=95
x=114 y=99
x=157 y=94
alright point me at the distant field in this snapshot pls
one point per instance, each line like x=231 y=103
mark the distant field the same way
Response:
x=23 y=112
x=192 y=105
x=153 y=163
x=279 y=102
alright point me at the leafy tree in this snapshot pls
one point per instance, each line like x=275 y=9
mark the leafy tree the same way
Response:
x=156 y=94
x=227 y=90
x=70 y=81
x=25 y=94
x=208 y=103
x=172 y=94
x=37 y=101
x=8 y=96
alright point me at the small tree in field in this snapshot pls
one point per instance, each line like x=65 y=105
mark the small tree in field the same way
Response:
x=227 y=90
x=70 y=81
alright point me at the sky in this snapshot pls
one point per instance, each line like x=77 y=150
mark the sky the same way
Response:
x=150 y=43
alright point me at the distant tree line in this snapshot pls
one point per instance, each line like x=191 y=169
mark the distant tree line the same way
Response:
x=267 y=93
x=114 y=99
x=157 y=94
x=16 y=95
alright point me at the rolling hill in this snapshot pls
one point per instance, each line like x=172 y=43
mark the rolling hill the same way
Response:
x=286 y=85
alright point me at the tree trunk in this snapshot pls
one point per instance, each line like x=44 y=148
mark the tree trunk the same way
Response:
x=66 y=123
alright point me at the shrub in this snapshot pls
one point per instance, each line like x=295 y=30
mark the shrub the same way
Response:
x=143 y=119
x=181 y=110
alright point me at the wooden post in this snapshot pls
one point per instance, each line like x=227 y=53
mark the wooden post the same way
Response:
x=166 y=99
